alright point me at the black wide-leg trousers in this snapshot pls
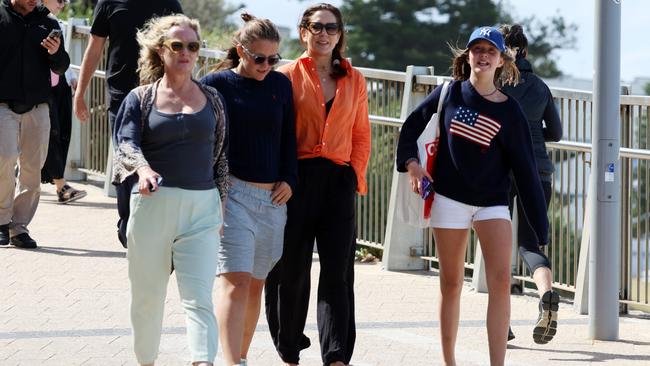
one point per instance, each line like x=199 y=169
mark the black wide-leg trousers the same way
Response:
x=60 y=131
x=323 y=209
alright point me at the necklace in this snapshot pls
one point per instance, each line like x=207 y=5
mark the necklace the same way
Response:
x=488 y=94
x=324 y=74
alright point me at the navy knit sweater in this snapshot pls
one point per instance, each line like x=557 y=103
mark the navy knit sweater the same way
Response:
x=261 y=126
x=480 y=142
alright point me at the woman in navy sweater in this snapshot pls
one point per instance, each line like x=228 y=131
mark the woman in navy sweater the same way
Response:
x=537 y=103
x=263 y=165
x=483 y=136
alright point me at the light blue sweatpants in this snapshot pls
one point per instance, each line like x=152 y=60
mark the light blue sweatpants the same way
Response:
x=176 y=226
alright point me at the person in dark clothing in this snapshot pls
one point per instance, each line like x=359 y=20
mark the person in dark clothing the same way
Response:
x=118 y=20
x=545 y=125
x=483 y=136
x=263 y=174
x=333 y=144
x=60 y=125
x=28 y=51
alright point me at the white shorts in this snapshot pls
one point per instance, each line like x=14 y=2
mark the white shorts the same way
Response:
x=450 y=214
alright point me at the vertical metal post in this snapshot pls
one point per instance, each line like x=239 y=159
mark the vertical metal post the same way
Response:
x=604 y=259
x=75 y=50
x=400 y=237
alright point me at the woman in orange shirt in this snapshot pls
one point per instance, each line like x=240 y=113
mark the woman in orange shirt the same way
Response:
x=333 y=142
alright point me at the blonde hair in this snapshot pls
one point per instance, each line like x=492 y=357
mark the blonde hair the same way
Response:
x=506 y=74
x=151 y=38
x=253 y=29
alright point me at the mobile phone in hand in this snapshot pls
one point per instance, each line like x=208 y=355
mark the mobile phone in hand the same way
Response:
x=55 y=33
x=159 y=180
x=426 y=187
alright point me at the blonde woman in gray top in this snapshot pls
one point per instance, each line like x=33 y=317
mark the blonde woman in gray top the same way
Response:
x=172 y=127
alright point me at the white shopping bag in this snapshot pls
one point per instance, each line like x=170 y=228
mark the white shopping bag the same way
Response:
x=411 y=208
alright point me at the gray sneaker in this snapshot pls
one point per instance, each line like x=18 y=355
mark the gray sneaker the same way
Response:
x=546 y=326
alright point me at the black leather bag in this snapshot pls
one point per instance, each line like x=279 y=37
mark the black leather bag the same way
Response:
x=20 y=108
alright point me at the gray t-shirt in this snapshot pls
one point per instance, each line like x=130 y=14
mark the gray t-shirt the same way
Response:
x=180 y=146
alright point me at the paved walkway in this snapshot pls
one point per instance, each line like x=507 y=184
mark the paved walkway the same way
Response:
x=66 y=303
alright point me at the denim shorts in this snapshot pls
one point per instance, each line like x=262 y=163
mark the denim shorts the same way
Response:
x=253 y=233
x=451 y=214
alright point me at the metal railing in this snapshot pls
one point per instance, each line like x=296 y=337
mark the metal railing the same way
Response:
x=572 y=156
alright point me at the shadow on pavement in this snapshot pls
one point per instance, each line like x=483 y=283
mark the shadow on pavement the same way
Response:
x=82 y=203
x=591 y=356
x=73 y=252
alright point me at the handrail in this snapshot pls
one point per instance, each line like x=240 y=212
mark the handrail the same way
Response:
x=97 y=73
x=389 y=92
x=382 y=74
x=386 y=121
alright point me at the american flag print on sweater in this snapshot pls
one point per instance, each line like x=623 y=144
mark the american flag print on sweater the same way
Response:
x=474 y=126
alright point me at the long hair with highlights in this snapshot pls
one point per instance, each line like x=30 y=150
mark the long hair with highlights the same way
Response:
x=151 y=38
x=506 y=74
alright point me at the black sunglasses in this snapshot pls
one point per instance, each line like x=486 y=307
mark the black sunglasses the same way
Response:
x=259 y=59
x=317 y=28
x=176 y=45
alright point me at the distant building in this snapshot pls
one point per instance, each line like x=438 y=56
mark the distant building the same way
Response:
x=570 y=82
x=637 y=86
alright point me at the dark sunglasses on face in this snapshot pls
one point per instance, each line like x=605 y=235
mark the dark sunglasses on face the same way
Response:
x=176 y=45
x=317 y=28
x=259 y=59
x=62 y=2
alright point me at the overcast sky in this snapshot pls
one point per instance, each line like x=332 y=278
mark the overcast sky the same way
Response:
x=635 y=20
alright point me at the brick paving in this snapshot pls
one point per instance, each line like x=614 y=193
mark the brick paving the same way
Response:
x=66 y=303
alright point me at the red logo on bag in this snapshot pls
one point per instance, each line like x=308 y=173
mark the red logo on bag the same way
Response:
x=431 y=149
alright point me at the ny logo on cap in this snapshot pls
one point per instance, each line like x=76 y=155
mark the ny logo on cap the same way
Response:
x=486 y=32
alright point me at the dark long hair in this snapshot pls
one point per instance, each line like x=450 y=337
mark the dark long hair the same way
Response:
x=338 y=71
x=515 y=38
x=253 y=29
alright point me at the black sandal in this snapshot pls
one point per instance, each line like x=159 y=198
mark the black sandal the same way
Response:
x=69 y=194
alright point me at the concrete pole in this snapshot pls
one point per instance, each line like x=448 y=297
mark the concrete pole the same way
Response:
x=605 y=251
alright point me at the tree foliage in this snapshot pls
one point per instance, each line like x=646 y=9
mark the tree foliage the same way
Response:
x=211 y=14
x=391 y=34
x=647 y=89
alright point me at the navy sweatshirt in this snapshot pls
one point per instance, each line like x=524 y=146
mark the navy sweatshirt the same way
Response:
x=261 y=126
x=537 y=103
x=480 y=142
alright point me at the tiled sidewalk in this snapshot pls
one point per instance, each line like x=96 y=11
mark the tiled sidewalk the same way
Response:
x=66 y=303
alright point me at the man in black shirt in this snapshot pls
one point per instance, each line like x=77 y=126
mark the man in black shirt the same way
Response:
x=118 y=20
x=28 y=51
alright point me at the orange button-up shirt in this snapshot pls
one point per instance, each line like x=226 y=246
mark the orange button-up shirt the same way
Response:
x=343 y=135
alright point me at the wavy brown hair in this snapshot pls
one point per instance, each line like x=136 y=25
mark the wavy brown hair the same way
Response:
x=253 y=29
x=506 y=74
x=338 y=71
x=151 y=38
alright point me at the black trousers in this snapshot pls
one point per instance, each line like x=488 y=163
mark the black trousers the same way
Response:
x=321 y=208
x=527 y=240
x=60 y=130
x=122 y=191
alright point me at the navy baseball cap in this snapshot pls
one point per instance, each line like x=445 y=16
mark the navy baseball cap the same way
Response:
x=489 y=34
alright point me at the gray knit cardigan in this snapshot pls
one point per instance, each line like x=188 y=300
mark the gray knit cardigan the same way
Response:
x=127 y=158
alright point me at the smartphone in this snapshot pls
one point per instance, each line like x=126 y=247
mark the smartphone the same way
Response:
x=427 y=188
x=159 y=180
x=55 y=33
